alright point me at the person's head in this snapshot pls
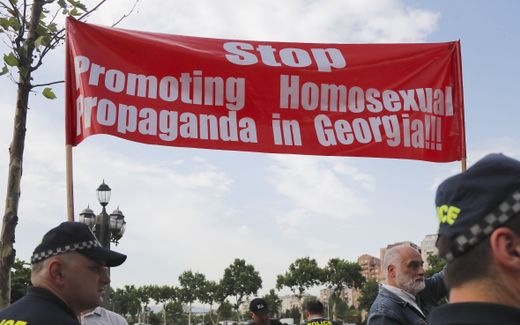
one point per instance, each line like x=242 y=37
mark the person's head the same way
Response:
x=479 y=231
x=259 y=311
x=71 y=263
x=314 y=308
x=403 y=268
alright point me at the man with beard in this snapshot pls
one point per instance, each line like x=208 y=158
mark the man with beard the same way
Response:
x=406 y=297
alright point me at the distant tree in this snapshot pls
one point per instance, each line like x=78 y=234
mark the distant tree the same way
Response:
x=302 y=274
x=125 y=301
x=161 y=295
x=225 y=310
x=155 y=318
x=353 y=316
x=293 y=313
x=240 y=281
x=341 y=307
x=274 y=302
x=191 y=288
x=175 y=313
x=145 y=297
x=213 y=294
x=30 y=31
x=435 y=264
x=340 y=274
x=368 y=294
x=20 y=279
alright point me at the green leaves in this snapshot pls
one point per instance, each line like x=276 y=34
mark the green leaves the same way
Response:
x=74 y=7
x=11 y=60
x=5 y=70
x=48 y=93
x=11 y=22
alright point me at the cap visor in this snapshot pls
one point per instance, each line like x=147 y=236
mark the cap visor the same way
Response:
x=102 y=254
x=261 y=312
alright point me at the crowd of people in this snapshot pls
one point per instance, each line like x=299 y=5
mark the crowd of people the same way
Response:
x=478 y=236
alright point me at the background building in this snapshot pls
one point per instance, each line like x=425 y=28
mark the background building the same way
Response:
x=428 y=248
x=291 y=301
x=370 y=266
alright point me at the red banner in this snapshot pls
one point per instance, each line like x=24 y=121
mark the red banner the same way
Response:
x=369 y=100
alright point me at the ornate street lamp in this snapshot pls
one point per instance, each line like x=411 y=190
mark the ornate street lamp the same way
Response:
x=107 y=228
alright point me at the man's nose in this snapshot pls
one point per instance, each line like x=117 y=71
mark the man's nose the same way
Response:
x=105 y=275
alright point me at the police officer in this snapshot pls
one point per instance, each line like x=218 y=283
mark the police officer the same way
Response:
x=69 y=275
x=260 y=313
x=314 y=314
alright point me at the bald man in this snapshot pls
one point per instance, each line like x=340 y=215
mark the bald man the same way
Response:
x=69 y=275
x=406 y=297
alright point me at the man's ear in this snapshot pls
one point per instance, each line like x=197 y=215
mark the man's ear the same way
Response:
x=505 y=245
x=55 y=269
x=391 y=271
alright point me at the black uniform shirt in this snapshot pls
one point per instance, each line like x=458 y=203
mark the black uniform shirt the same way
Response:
x=475 y=313
x=38 y=307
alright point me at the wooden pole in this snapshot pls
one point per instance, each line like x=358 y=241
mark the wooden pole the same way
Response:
x=70 y=187
x=463 y=165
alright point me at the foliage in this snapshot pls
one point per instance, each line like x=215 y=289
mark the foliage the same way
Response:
x=340 y=274
x=126 y=301
x=213 y=293
x=240 y=281
x=274 y=302
x=302 y=274
x=16 y=19
x=293 y=313
x=191 y=288
x=30 y=29
x=174 y=313
x=369 y=293
x=20 y=279
x=225 y=310
x=435 y=264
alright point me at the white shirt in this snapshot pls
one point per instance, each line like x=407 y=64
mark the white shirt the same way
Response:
x=405 y=295
x=102 y=316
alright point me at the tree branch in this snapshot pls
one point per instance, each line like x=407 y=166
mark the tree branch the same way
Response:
x=52 y=44
x=21 y=31
x=127 y=14
x=48 y=84
x=91 y=10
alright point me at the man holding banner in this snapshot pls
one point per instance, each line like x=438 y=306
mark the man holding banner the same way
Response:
x=406 y=297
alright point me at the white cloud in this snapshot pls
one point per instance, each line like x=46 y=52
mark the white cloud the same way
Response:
x=289 y=20
x=317 y=188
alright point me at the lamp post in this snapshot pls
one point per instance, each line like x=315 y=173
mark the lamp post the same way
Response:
x=107 y=228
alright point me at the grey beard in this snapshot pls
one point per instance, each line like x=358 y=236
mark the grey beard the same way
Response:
x=410 y=285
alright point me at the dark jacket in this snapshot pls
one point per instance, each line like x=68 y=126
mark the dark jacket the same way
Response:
x=38 y=307
x=475 y=313
x=389 y=309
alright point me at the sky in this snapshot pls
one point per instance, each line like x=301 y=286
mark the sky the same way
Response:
x=198 y=209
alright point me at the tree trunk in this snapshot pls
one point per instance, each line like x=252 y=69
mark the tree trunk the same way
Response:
x=7 y=251
x=189 y=313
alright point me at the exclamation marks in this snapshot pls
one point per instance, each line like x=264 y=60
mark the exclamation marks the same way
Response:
x=432 y=132
x=439 y=134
